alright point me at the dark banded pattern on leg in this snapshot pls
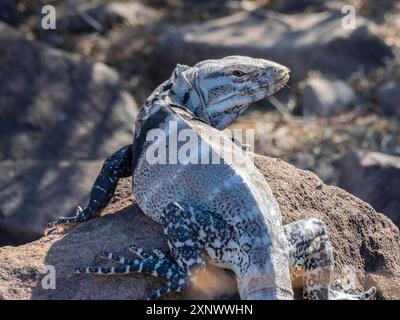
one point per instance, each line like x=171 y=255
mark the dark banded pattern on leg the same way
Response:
x=154 y=263
x=116 y=166
x=177 y=272
x=309 y=246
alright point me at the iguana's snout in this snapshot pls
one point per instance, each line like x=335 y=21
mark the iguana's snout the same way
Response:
x=270 y=79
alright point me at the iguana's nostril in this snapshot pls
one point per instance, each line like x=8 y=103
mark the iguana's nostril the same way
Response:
x=280 y=71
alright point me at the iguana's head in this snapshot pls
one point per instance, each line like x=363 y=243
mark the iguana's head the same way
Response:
x=217 y=91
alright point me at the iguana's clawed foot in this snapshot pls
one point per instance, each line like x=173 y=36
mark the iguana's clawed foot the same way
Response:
x=117 y=165
x=339 y=295
x=63 y=223
x=340 y=291
x=155 y=263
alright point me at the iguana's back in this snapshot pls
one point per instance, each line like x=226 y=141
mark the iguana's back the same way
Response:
x=231 y=188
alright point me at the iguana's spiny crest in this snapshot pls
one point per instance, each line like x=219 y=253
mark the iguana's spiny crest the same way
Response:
x=217 y=91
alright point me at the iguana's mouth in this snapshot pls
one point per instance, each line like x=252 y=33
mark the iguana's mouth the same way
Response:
x=272 y=87
x=234 y=108
x=278 y=83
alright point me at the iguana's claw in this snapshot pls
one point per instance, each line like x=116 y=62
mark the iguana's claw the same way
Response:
x=344 y=290
x=369 y=294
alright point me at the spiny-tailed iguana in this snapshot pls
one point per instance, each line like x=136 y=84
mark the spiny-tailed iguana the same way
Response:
x=219 y=211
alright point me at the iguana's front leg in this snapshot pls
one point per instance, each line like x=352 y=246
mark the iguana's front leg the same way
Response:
x=116 y=166
x=309 y=246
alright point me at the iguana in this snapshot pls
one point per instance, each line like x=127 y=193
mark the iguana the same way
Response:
x=223 y=212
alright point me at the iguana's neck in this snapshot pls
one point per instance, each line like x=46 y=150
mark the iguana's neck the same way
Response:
x=179 y=93
x=187 y=97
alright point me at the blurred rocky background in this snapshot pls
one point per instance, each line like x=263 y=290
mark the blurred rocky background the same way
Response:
x=69 y=96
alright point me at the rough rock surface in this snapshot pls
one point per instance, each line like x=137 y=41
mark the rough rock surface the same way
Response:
x=32 y=192
x=303 y=5
x=9 y=12
x=57 y=105
x=388 y=98
x=325 y=98
x=364 y=241
x=375 y=178
x=315 y=41
x=104 y=15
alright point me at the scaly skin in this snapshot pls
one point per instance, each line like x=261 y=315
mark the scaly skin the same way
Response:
x=222 y=213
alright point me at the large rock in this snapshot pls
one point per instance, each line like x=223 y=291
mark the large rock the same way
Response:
x=388 y=98
x=33 y=192
x=9 y=12
x=104 y=16
x=375 y=178
x=57 y=105
x=324 y=97
x=303 y=42
x=365 y=243
x=302 y=5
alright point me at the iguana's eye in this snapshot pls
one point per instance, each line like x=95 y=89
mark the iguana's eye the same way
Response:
x=238 y=73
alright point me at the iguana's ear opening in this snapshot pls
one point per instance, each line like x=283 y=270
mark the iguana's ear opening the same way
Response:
x=184 y=74
x=179 y=69
x=185 y=85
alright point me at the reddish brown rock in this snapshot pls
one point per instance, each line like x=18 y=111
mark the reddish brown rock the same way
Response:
x=365 y=242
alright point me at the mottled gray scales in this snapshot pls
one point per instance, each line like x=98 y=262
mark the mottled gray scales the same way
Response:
x=223 y=213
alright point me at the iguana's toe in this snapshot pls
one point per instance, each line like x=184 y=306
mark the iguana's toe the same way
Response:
x=64 y=223
x=164 y=290
x=340 y=295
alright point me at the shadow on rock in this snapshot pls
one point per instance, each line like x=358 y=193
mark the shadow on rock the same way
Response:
x=115 y=232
